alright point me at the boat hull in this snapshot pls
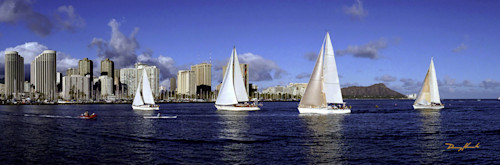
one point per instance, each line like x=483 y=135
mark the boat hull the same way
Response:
x=235 y=108
x=428 y=107
x=323 y=111
x=146 y=107
x=89 y=117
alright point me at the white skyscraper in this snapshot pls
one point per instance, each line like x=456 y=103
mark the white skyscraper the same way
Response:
x=186 y=82
x=14 y=74
x=43 y=74
x=128 y=78
x=106 y=85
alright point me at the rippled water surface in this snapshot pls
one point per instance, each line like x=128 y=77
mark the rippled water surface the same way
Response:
x=275 y=135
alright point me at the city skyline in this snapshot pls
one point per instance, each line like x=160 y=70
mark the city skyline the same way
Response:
x=384 y=41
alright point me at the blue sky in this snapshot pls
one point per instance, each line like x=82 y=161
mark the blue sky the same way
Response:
x=388 y=42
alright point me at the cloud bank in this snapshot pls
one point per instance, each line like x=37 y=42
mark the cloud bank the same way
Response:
x=122 y=51
x=21 y=11
x=303 y=75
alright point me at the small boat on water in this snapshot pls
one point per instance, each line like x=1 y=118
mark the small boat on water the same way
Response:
x=428 y=98
x=87 y=116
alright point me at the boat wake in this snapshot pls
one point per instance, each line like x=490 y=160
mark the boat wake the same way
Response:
x=51 y=116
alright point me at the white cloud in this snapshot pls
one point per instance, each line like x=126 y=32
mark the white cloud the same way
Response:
x=303 y=75
x=386 y=78
x=261 y=69
x=356 y=11
x=369 y=50
x=68 y=18
x=460 y=48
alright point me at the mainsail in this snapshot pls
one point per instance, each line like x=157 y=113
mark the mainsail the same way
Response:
x=314 y=96
x=331 y=78
x=239 y=85
x=429 y=92
x=227 y=93
x=146 y=89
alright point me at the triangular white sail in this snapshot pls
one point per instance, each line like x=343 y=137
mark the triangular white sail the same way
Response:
x=146 y=89
x=227 y=94
x=137 y=97
x=331 y=78
x=429 y=92
x=314 y=97
x=239 y=84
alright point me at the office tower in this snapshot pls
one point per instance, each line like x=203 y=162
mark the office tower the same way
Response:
x=153 y=76
x=107 y=68
x=59 y=82
x=85 y=67
x=43 y=74
x=244 y=73
x=128 y=79
x=173 y=83
x=77 y=87
x=203 y=73
x=72 y=71
x=14 y=74
x=116 y=82
x=186 y=81
x=106 y=86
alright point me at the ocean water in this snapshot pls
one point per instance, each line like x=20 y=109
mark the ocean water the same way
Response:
x=389 y=134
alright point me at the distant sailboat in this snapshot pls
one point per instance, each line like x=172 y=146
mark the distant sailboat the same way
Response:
x=323 y=94
x=428 y=98
x=148 y=103
x=232 y=93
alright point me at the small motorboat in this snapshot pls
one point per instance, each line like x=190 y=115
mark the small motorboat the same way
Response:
x=87 y=116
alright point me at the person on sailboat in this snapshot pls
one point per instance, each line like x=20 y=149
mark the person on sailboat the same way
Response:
x=158 y=115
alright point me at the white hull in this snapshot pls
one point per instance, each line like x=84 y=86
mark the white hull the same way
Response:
x=146 y=107
x=234 y=108
x=324 y=110
x=428 y=106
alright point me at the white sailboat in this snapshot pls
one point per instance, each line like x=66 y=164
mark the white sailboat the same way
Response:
x=323 y=94
x=428 y=98
x=146 y=101
x=232 y=95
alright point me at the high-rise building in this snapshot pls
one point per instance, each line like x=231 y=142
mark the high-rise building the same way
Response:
x=153 y=74
x=116 y=82
x=186 y=81
x=77 y=87
x=43 y=74
x=107 y=68
x=14 y=74
x=72 y=71
x=203 y=73
x=106 y=86
x=86 y=67
x=59 y=81
x=173 y=83
x=128 y=77
x=244 y=73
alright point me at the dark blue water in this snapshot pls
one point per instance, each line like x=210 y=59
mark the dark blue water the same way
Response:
x=277 y=134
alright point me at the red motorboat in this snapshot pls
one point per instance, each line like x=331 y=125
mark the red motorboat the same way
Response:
x=86 y=116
